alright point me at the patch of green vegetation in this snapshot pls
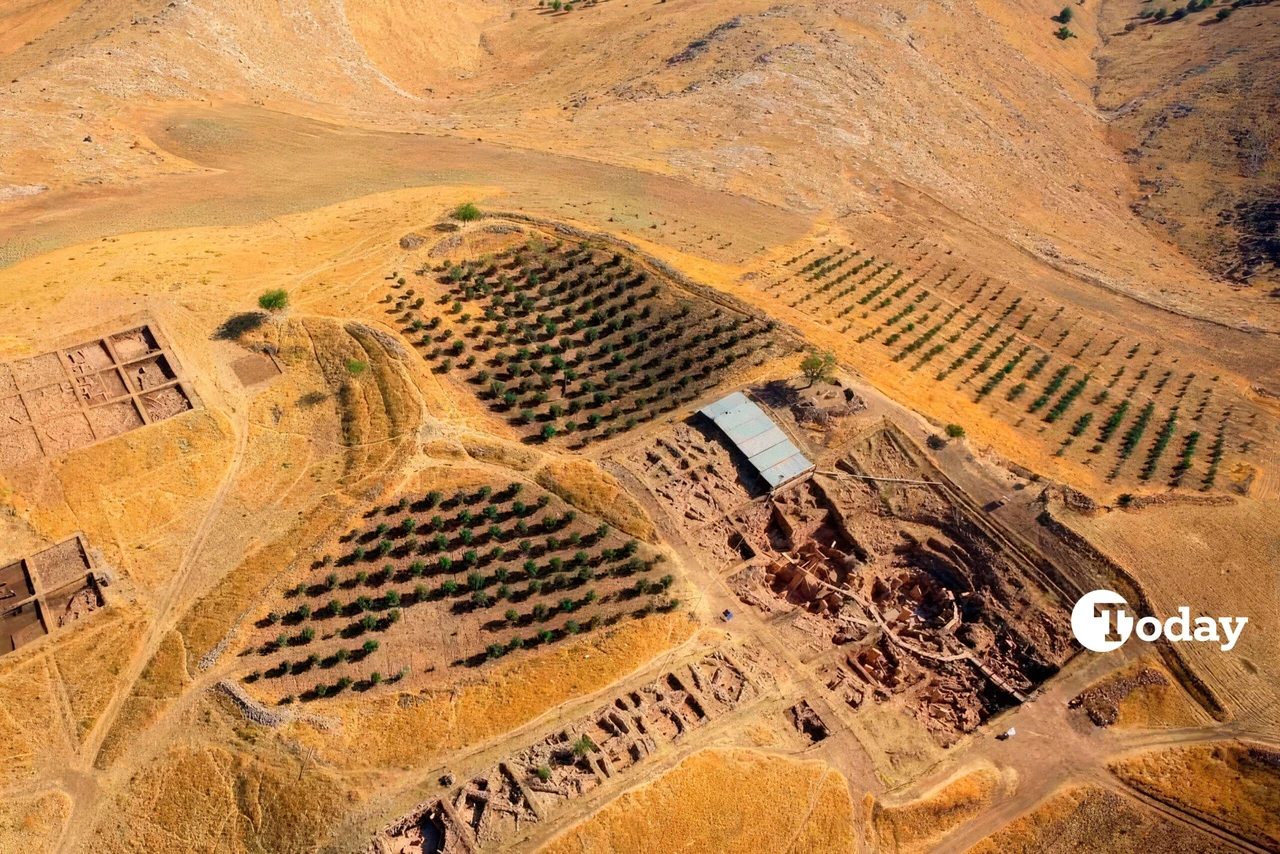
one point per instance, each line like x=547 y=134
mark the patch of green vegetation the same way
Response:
x=274 y=300
x=467 y=212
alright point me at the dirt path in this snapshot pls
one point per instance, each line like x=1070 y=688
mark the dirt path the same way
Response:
x=165 y=617
x=1054 y=748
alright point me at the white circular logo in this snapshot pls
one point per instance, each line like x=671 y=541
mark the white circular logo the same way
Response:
x=1101 y=620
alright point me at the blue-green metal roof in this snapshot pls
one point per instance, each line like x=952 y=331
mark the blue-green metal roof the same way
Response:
x=768 y=449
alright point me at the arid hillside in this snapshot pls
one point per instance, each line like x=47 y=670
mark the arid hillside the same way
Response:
x=966 y=123
x=1192 y=103
x=635 y=425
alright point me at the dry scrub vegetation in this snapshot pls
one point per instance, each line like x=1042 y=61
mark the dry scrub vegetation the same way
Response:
x=1091 y=818
x=243 y=794
x=1235 y=785
x=596 y=491
x=137 y=497
x=162 y=681
x=1141 y=695
x=89 y=661
x=408 y=728
x=917 y=825
x=1222 y=559
x=732 y=801
x=33 y=824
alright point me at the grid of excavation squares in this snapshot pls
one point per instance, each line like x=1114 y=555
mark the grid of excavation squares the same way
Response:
x=69 y=398
x=45 y=592
x=497 y=805
x=440 y=580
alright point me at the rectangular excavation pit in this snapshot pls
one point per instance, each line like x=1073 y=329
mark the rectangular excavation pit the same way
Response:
x=21 y=626
x=115 y=418
x=691 y=710
x=66 y=433
x=134 y=344
x=88 y=358
x=38 y=371
x=72 y=602
x=95 y=389
x=255 y=368
x=165 y=403
x=663 y=725
x=13 y=413
x=19 y=446
x=15 y=583
x=58 y=586
x=807 y=722
x=60 y=564
x=495 y=806
x=472 y=809
x=430 y=829
x=149 y=373
x=622 y=755
x=70 y=398
x=52 y=401
x=726 y=683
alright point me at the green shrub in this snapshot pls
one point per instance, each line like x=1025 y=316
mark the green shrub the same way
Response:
x=818 y=366
x=274 y=300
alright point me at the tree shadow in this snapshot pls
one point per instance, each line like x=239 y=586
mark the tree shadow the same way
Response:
x=238 y=325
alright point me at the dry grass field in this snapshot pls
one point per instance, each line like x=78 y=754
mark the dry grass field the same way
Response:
x=1144 y=695
x=1093 y=818
x=1234 y=785
x=34 y=823
x=1221 y=558
x=918 y=825
x=434 y=551
x=732 y=801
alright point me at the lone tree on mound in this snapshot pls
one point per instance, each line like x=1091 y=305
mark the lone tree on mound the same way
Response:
x=274 y=300
x=818 y=366
x=466 y=212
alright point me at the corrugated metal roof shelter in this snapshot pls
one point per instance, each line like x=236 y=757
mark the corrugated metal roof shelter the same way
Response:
x=763 y=443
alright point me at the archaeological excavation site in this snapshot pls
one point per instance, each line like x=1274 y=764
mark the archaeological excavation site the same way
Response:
x=510 y=552
x=63 y=400
x=597 y=427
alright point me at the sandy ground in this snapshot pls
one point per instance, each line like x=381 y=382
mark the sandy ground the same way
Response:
x=173 y=161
